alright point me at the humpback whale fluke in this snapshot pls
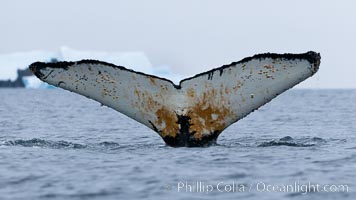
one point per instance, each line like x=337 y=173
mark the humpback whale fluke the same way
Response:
x=197 y=110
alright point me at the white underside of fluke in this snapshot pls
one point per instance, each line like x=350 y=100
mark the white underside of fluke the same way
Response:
x=209 y=102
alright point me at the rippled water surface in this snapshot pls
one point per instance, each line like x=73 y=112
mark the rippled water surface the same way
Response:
x=58 y=145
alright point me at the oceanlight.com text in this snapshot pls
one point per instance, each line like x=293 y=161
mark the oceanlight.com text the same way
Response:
x=260 y=187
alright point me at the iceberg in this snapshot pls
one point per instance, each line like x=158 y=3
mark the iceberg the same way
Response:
x=10 y=63
x=133 y=60
x=166 y=72
x=13 y=66
x=32 y=82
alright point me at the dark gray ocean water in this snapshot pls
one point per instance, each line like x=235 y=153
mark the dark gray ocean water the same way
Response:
x=58 y=145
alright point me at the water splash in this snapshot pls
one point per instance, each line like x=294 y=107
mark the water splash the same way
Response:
x=294 y=142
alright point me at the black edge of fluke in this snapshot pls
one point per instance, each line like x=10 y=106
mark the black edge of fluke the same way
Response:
x=311 y=56
x=35 y=70
x=37 y=66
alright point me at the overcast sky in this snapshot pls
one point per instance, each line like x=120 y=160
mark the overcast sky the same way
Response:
x=190 y=36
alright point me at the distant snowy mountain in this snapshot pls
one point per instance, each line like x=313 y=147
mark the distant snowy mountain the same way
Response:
x=11 y=64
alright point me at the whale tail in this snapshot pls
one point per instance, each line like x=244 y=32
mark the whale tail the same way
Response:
x=197 y=110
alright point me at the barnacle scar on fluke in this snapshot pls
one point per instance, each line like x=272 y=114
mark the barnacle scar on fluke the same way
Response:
x=197 y=110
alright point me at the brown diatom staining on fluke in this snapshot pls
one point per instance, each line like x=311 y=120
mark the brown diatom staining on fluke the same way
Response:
x=152 y=81
x=206 y=120
x=268 y=66
x=227 y=90
x=267 y=71
x=164 y=88
x=145 y=103
x=168 y=121
x=238 y=85
x=208 y=114
x=191 y=93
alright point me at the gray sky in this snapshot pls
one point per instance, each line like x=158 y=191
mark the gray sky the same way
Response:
x=191 y=36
